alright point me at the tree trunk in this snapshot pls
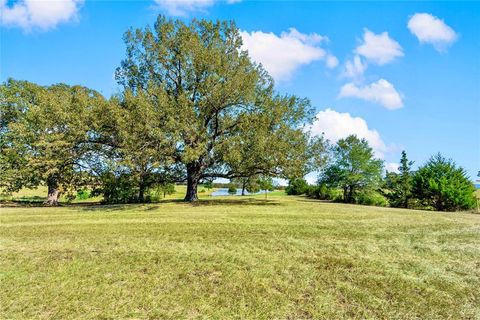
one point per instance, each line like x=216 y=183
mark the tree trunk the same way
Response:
x=345 y=194
x=53 y=191
x=193 y=177
x=350 y=195
x=141 y=188
x=243 y=187
x=141 y=193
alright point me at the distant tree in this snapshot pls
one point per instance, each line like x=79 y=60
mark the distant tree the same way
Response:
x=208 y=185
x=252 y=185
x=242 y=182
x=353 y=167
x=265 y=183
x=213 y=100
x=442 y=185
x=47 y=136
x=399 y=185
x=166 y=188
x=297 y=187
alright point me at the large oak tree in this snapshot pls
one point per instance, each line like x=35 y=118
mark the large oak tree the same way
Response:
x=46 y=136
x=216 y=104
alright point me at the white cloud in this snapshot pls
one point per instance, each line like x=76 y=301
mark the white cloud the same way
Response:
x=392 y=167
x=282 y=55
x=381 y=92
x=430 y=29
x=336 y=125
x=183 y=7
x=41 y=14
x=355 y=69
x=379 y=48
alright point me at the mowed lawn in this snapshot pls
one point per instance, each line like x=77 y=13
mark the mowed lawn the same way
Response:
x=284 y=258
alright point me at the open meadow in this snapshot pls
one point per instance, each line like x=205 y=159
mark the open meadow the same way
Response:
x=238 y=257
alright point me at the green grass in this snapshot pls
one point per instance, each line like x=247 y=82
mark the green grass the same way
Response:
x=285 y=258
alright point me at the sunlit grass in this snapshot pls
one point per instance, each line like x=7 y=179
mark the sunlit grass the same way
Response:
x=234 y=257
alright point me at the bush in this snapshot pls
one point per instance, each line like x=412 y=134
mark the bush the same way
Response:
x=371 y=198
x=323 y=192
x=117 y=189
x=82 y=194
x=232 y=189
x=297 y=187
x=441 y=185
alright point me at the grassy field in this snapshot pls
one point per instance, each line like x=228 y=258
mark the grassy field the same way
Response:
x=287 y=258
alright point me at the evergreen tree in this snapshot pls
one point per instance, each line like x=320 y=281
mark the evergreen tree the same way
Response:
x=399 y=185
x=442 y=185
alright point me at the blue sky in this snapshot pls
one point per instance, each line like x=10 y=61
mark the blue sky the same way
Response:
x=404 y=75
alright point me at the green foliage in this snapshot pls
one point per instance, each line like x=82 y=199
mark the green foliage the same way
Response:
x=165 y=189
x=297 y=187
x=371 y=198
x=208 y=185
x=252 y=186
x=399 y=185
x=323 y=192
x=82 y=194
x=265 y=183
x=353 y=168
x=232 y=189
x=442 y=185
x=117 y=188
x=46 y=136
x=218 y=109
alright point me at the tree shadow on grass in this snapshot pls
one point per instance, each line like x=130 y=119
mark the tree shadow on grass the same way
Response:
x=198 y=203
x=97 y=206
x=236 y=202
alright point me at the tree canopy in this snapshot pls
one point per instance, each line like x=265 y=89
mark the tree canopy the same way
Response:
x=444 y=186
x=219 y=109
x=46 y=136
x=399 y=184
x=353 y=167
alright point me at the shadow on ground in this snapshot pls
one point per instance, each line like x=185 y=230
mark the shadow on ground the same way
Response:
x=199 y=203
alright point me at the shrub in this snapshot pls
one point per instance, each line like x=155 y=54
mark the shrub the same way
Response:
x=232 y=189
x=441 y=185
x=297 y=187
x=117 y=189
x=82 y=194
x=371 y=198
x=323 y=192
